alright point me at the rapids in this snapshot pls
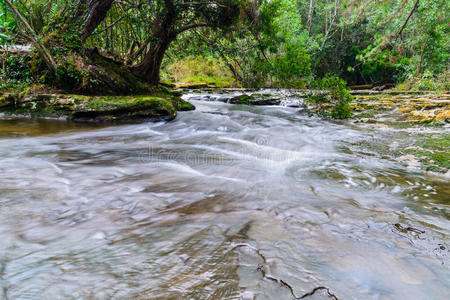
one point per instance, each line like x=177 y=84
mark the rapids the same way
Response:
x=225 y=202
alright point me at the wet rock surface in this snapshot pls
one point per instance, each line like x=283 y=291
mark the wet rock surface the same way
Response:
x=404 y=108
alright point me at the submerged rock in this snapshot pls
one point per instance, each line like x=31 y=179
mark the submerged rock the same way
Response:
x=94 y=108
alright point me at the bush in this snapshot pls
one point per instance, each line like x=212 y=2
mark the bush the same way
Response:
x=15 y=72
x=335 y=103
x=292 y=68
x=428 y=82
x=16 y=68
x=68 y=75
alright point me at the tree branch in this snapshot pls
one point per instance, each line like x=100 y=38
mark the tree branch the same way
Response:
x=203 y=3
x=110 y=26
x=191 y=26
x=407 y=19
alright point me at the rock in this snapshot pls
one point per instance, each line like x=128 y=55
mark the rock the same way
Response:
x=255 y=99
x=443 y=116
x=95 y=108
x=380 y=88
x=181 y=105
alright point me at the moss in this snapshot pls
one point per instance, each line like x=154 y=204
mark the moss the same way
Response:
x=91 y=108
x=8 y=100
x=107 y=103
x=366 y=114
x=441 y=143
x=181 y=105
x=443 y=116
x=432 y=160
x=243 y=99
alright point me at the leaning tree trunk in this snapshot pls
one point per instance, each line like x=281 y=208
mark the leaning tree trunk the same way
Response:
x=93 y=13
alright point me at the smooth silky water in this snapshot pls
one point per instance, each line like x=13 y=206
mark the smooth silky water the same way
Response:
x=225 y=202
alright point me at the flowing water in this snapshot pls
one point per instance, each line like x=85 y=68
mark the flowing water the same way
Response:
x=225 y=202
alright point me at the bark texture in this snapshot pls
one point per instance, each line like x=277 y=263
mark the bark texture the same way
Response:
x=95 y=13
x=162 y=35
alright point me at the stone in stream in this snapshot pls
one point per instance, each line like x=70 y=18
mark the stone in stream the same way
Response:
x=95 y=108
x=255 y=99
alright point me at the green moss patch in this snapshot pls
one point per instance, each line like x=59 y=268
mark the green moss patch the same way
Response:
x=433 y=152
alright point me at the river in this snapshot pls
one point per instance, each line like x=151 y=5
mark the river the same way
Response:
x=225 y=202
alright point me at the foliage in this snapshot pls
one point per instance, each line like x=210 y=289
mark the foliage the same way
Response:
x=277 y=43
x=427 y=82
x=69 y=77
x=334 y=100
x=15 y=72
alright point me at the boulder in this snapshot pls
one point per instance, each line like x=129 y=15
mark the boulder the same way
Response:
x=94 y=108
x=255 y=99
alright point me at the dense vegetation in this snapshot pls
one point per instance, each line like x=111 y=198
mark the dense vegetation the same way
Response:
x=287 y=43
x=252 y=43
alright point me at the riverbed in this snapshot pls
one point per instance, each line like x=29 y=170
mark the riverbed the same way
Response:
x=224 y=202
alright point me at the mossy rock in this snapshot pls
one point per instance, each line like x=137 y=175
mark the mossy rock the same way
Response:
x=96 y=108
x=128 y=108
x=256 y=99
x=181 y=105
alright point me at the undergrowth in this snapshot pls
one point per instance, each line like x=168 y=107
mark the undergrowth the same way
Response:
x=199 y=69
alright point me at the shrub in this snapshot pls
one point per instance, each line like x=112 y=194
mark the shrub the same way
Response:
x=335 y=101
x=16 y=68
x=292 y=68
x=68 y=75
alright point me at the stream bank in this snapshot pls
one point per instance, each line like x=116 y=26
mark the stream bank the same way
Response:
x=95 y=108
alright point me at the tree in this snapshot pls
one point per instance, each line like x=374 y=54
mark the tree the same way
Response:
x=74 y=26
x=174 y=17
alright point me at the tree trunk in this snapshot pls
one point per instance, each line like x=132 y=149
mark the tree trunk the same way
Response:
x=419 y=66
x=148 y=69
x=162 y=35
x=310 y=15
x=95 y=13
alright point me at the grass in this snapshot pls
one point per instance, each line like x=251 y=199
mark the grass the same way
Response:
x=195 y=70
